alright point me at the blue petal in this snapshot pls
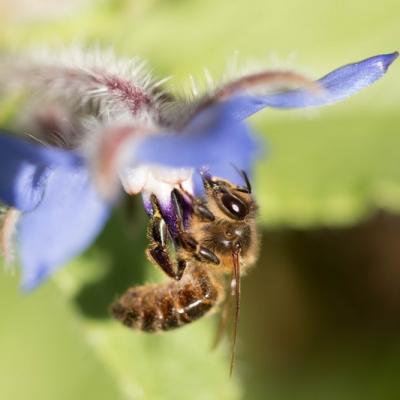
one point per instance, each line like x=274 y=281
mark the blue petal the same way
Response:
x=213 y=140
x=24 y=169
x=337 y=85
x=66 y=221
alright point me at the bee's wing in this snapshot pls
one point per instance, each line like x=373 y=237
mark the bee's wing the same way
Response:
x=230 y=307
x=235 y=291
x=224 y=314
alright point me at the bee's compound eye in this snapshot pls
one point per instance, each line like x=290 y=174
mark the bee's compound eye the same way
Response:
x=234 y=205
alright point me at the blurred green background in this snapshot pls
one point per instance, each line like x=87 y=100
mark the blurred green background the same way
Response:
x=321 y=312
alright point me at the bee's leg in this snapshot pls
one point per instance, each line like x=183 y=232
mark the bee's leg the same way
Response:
x=161 y=241
x=184 y=239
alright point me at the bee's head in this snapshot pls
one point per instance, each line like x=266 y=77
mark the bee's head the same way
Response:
x=234 y=209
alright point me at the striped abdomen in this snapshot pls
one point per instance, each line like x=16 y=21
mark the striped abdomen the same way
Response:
x=168 y=305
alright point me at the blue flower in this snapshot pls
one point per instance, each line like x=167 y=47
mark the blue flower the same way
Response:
x=62 y=192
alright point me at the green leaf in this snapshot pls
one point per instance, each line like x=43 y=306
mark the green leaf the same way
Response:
x=43 y=353
x=333 y=169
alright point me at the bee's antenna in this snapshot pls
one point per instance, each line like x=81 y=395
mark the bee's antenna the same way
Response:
x=246 y=179
x=243 y=174
x=235 y=286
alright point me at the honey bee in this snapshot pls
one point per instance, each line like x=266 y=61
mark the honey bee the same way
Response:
x=214 y=242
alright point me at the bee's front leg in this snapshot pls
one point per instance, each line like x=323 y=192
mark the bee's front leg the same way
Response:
x=161 y=243
x=184 y=240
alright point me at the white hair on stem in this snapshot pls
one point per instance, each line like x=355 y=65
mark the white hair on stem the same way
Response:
x=88 y=82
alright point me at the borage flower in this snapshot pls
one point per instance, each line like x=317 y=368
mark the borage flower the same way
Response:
x=101 y=127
